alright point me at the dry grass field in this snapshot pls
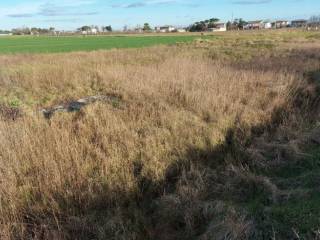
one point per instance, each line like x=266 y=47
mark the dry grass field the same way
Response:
x=214 y=139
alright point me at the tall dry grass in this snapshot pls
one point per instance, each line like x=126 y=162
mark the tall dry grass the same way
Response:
x=146 y=167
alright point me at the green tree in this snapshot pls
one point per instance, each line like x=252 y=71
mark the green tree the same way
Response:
x=212 y=22
x=109 y=28
x=203 y=26
x=146 y=27
x=85 y=28
x=239 y=23
x=215 y=20
x=229 y=26
x=198 y=27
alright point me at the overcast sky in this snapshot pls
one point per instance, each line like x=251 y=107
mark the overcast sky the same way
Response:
x=70 y=14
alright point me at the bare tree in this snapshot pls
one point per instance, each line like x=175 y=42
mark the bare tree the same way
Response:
x=314 y=21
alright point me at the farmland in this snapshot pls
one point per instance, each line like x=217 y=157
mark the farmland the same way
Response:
x=41 y=44
x=213 y=138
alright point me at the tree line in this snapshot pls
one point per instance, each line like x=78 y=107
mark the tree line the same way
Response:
x=236 y=24
x=107 y=28
x=205 y=25
x=200 y=26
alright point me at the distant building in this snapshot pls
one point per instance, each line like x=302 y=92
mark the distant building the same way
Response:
x=280 y=24
x=219 y=27
x=181 y=30
x=34 y=33
x=165 y=29
x=267 y=25
x=90 y=31
x=254 y=25
x=94 y=31
x=299 y=23
x=138 y=30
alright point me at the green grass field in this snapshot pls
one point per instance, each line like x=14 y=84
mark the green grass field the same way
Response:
x=28 y=44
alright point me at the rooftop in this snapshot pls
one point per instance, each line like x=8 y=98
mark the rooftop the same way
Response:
x=257 y=21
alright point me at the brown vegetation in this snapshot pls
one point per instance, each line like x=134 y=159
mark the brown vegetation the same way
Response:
x=177 y=156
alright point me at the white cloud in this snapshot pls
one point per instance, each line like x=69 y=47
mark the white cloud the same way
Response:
x=47 y=8
x=143 y=3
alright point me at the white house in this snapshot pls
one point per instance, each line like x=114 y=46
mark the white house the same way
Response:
x=94 y=31
x=91 y=31
x=181 y=30
x=267 y=25
x=254 y=25
x=280 y=24
x=138 y=30
x=165 y=29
